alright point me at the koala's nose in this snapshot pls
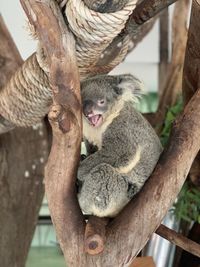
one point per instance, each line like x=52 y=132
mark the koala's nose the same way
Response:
x=87 y=107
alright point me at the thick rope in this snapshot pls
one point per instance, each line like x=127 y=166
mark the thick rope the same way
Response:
x=95 y=31
x=26 y=98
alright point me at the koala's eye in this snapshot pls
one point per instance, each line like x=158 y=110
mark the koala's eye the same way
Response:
x=101 y=102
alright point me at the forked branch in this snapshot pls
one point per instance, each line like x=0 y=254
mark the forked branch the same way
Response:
x=65 y=118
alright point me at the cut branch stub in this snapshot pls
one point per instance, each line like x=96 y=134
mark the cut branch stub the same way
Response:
x=95 y=235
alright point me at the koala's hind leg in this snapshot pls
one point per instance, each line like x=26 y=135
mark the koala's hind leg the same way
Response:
x=104 y=191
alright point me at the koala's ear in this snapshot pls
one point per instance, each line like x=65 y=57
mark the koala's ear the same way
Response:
x=130 y=82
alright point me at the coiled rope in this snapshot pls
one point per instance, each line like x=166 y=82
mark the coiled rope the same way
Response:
x=26 y=98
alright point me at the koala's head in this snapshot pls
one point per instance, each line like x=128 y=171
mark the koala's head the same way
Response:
x=102 y=92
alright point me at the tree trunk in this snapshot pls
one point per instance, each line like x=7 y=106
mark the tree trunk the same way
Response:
x=23 y=153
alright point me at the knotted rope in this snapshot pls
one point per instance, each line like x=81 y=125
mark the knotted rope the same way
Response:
x=26 y=98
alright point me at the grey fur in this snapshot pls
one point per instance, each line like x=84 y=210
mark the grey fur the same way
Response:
x=106 y=177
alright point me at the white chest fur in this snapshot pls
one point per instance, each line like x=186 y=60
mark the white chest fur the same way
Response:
x=92 y=134
x=95 y=134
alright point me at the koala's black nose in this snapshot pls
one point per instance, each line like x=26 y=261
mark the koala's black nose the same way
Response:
x=88 y=107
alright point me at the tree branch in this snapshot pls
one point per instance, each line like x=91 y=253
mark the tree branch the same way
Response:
x=191 y=72
x=179 y=240
x=143 y=12
x=65 y=118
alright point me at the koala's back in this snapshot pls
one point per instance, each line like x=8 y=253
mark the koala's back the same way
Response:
x=132 y=144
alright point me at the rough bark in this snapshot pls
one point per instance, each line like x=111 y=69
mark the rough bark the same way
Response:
x=191 y=72
x=23 y=153
x=65 y=117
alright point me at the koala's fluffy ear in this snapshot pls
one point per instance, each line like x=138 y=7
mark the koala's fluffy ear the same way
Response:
x=130 y=83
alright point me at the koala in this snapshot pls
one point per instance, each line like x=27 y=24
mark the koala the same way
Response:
x=123 y=148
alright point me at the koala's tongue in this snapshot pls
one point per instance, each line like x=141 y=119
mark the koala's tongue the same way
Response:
x=95 y=120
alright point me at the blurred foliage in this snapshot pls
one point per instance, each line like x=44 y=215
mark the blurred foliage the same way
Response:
x=187 y=205
x=169 y=119
x=148 y=103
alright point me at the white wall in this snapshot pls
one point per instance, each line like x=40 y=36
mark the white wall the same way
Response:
x=16 y=22
x=141 y=62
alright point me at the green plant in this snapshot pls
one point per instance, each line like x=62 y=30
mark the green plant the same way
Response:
x=169 y=119
x=187 y=206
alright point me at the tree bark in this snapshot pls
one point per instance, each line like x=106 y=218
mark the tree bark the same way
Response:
x=23 y=153
x=191 y=73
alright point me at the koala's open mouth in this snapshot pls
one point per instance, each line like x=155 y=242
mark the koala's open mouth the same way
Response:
x=95 y=120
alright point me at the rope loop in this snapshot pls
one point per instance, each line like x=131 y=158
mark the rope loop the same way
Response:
x=94 y=27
